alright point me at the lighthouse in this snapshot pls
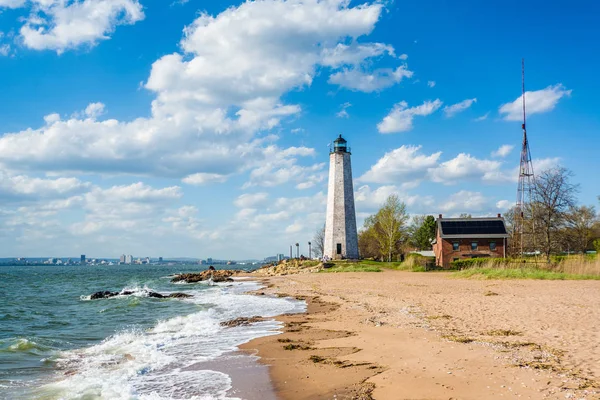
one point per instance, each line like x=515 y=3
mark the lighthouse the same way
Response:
x=341 y=239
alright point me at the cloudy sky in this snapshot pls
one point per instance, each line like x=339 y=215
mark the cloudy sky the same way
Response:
x=200 y=128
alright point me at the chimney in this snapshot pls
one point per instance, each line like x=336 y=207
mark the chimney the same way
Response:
x=499 y=215
x=440 y=215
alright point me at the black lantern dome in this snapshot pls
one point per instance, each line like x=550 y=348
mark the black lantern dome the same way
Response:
x=340 y=145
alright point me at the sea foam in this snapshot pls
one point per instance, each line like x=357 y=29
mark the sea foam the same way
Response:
x=154 y=364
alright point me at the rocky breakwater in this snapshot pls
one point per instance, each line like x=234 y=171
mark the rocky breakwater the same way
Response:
x=290 y=267
x=223 y=275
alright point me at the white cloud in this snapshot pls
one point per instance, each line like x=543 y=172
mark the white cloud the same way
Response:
x=125 y=208
x=4 y=49
x=369 y=200
x=359 y=80
x=431 y=84
x=454 y=109
x=403 y=57
x=464 y=201
x=251 y=200
x=504 y=205
x=26 y=187
x=503 y=150
x=536 y=102
x=12 y=3
x=60 y=25
x=483 y=117
x=353 y=54
x=463 y=166
x=281 y=166
x=211 y=100
x=94 y=110
x=343 y=113
x=202 y=178
x=402 y=165
x=400 y=119
x=294 y=228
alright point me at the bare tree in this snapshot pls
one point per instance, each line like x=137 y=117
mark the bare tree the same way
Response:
x=319 y=242
x=553 y=196
x=390 y=223
x=580 y=222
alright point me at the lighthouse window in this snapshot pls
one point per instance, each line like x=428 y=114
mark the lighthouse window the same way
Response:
x=339 y=248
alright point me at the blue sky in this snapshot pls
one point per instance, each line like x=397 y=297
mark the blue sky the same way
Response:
x=201 y=128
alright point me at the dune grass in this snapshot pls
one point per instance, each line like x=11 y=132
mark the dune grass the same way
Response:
x=569 y=268
x=519 y=273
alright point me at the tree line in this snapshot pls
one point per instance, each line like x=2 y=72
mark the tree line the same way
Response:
x=553 y=223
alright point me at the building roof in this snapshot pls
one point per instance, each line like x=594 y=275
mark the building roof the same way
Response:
x=340 y=139
x=472 y=228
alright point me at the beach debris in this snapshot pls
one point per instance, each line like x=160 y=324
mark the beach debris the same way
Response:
x=105 y=294
x=223 y=275
x=242 y=321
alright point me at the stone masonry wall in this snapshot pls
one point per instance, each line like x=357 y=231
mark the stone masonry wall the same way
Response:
x=340 y=222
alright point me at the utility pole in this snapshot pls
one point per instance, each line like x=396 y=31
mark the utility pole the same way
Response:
x=291 y=256
x=309 y=251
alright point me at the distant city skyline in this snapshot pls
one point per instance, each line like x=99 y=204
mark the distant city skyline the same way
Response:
x=189 y=128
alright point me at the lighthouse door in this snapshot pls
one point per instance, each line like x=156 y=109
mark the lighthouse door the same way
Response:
x=339 y=249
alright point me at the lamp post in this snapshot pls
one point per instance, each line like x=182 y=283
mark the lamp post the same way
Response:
x=309 y=251
x=297 y=250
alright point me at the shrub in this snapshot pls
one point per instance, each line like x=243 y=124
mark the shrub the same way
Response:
x=475 y=262
x=597 y=245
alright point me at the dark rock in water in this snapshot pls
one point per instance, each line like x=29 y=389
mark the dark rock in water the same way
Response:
x=242 y=321
x=180 y=295
x=218 y=276
x=105 y=294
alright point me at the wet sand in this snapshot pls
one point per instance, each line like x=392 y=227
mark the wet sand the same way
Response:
x=403 y=335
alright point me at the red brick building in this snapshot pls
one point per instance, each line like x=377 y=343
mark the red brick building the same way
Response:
x=461 y=238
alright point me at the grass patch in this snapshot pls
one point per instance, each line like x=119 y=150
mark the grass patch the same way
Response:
x=352 y=267
x=520 y=273
x=445 y=316
x=284 y=340
x=503 y=332
x=459 y=339
x=317 y=359
x=295 y=347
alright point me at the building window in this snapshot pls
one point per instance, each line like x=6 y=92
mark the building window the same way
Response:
x=492 y=246
x=473 y=246
x=339 y=248
x=455 y=246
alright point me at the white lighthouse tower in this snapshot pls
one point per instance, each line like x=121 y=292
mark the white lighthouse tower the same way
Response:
x=341 y=239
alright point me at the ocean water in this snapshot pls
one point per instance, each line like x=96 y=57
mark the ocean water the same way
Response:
x=55 y=343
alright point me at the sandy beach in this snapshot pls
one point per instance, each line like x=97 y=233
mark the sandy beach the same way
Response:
x=403 y=335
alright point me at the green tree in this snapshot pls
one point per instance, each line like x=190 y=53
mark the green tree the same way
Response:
x=422 y=231
x=390 y=227
x=597 y=245
x=367 y=242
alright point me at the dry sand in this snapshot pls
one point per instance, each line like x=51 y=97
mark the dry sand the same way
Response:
x=403 y=335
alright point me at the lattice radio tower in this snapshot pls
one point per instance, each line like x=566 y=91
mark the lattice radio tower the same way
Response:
x=524 y=191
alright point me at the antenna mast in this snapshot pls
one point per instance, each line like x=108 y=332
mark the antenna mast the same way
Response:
x=525 y=188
